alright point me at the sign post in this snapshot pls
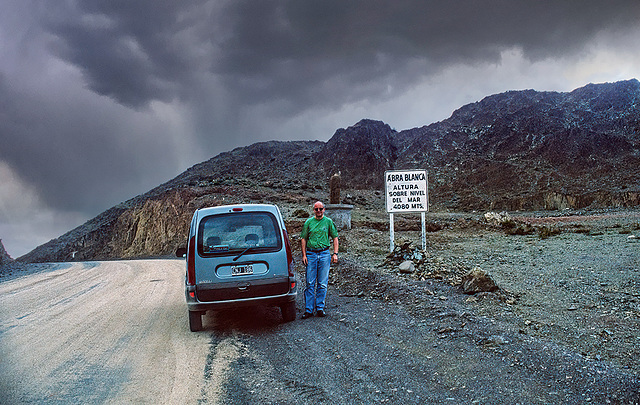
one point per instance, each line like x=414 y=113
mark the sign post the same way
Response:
x=406 y=191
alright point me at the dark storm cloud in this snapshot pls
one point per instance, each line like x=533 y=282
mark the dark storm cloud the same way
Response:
x=80 y=161
x=102 y=100
x=343 y=50
x=311 y=52
x=133 y=51
x=224 y=60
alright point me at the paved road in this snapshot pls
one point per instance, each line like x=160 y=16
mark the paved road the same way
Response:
x=116 y=332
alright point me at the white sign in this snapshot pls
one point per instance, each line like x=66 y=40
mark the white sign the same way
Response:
x=406 y=191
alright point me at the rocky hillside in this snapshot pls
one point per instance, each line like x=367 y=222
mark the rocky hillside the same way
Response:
x=519 y=150
x=535 y=150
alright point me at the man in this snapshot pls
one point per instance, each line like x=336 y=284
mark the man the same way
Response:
x=318 y=235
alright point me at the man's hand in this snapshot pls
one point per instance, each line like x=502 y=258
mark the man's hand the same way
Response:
x=334 y=258
x=304 y=260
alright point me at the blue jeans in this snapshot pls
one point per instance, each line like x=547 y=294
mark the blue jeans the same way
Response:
x=317 y=280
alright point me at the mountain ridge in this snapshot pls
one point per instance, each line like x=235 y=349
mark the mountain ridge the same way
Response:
x=517 y=150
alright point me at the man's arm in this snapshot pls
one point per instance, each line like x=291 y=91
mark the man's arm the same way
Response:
x=334 y=254
x=303 y=244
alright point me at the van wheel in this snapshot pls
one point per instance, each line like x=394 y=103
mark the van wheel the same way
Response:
x=288 y=311
x=195 y=321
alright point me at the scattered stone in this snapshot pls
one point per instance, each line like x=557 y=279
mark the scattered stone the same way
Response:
x=407 y=267
x=478 y=280
x=494 y=341
x=449 y=270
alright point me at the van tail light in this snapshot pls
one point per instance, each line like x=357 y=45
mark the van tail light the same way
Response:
x=191 y=262
x=289 y=254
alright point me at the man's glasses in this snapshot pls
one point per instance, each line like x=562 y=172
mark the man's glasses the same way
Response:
x=318 y=209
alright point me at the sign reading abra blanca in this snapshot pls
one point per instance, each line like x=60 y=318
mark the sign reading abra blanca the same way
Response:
x=406 y=191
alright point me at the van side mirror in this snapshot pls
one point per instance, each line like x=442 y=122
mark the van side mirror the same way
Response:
x=181 y=252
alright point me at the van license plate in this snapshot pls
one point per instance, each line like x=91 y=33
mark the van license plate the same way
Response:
x=242 y=270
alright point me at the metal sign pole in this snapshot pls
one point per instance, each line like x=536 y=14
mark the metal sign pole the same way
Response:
x=424 y=236
x=391 y=232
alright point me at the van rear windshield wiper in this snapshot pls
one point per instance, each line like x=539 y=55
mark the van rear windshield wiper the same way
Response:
x=243 y=252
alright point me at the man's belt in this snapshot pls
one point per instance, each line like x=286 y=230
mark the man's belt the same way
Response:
x=318 y=250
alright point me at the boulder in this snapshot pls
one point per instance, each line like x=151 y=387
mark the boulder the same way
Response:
x=498 y=219
x=478 y=280
x=407 y=267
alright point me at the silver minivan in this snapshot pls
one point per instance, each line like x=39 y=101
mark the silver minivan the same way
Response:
x=238 y=255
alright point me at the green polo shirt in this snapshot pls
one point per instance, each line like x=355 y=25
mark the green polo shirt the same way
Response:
x=319 y=233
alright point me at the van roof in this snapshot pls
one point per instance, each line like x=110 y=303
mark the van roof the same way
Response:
x=238 y=208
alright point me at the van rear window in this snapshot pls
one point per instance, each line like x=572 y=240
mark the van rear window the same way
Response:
x=233 y=232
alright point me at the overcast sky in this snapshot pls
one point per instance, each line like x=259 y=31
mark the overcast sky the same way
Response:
x=103 y=100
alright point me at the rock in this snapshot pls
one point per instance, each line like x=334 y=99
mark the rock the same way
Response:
x=494 y=341
x=498 y=218
x=4 y=256
x=300 y=213
x=407 y=267
x=477 y=280
x=7 y=264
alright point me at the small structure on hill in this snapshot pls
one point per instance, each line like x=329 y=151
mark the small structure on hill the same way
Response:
x=334 y=189
x=339 y=213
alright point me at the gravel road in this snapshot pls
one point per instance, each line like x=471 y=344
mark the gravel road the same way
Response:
x=94 y=333
x=116 y=332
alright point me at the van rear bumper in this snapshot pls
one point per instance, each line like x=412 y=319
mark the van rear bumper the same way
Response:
x=269 y=293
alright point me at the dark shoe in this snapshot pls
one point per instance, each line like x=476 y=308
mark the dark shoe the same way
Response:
x=307 y=315
x=321 y=313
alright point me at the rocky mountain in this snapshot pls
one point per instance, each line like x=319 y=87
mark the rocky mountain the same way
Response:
x=533 y=150
x=519 y=150
x=4 y=256
x=7 y=264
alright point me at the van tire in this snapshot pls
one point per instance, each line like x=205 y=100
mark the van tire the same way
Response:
x=288 y=311
x=195 y=321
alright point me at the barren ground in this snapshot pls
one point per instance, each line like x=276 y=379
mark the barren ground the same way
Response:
x=578 y=288
x=563 y=328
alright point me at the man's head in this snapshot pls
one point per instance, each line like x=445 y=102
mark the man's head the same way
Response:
x=318 y=209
